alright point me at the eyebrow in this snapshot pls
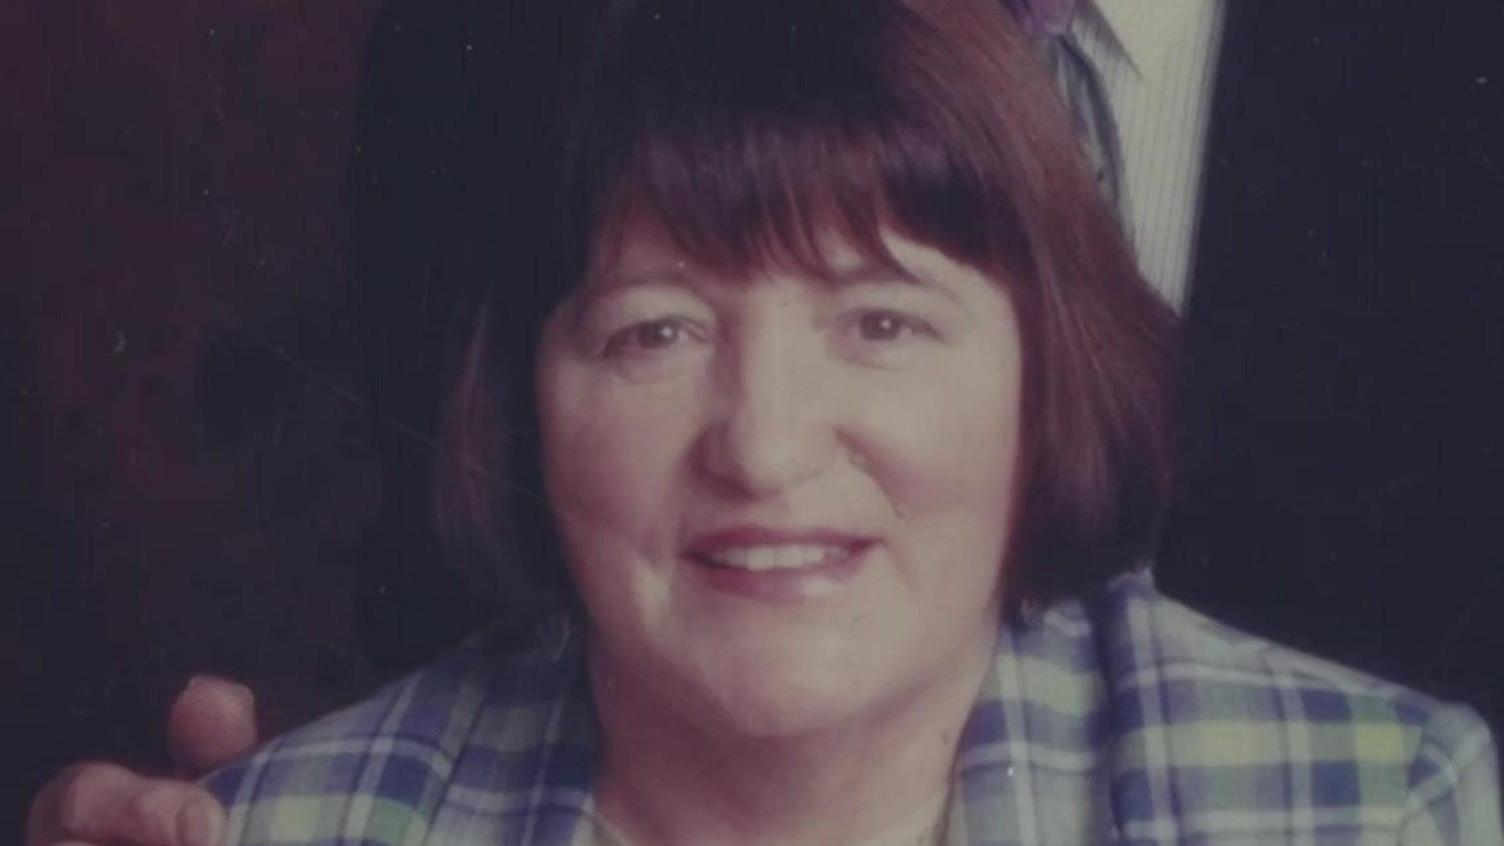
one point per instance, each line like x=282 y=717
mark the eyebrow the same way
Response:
x=884 y=273
x=598 y=285
x=683 y=275
x=875 y=273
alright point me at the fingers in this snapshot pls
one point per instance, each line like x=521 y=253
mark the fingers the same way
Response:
x=103 y=803
x=213 y=721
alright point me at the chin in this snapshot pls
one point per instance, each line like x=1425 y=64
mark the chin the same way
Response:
x=774 y=711
x=786 y=695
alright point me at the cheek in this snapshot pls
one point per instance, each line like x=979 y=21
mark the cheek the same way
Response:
x=612 y=453
x=950 y=444
x=946 y=457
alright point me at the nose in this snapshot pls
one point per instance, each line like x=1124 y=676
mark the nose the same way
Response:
x=772 y=424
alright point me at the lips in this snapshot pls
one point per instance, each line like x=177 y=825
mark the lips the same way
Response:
x=761 y=549
x=789 y=556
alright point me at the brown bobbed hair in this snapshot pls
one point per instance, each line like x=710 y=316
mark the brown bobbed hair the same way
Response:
x=751 y=132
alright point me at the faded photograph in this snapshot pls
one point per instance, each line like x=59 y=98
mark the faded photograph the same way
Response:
x=657 y=422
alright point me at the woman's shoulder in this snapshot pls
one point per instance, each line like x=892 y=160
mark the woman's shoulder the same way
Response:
x=485 y=716
x=1156 y=641
x=1235 y=730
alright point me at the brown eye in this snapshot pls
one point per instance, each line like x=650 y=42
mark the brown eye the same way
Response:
x=658 y=334
x=883 y=337
x=648 y=336
x=883 y=326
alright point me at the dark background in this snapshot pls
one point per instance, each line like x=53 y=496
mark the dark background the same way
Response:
x=190 y=474
x=186 y=467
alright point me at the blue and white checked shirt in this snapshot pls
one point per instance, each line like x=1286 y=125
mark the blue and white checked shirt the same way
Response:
x=1125 y=718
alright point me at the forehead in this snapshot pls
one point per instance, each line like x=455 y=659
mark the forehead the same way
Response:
x=641 y=253
x=640 y=243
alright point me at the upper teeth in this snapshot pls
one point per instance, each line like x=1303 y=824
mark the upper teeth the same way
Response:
x=780 y=556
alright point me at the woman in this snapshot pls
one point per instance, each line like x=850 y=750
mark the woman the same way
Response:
x=822 y=434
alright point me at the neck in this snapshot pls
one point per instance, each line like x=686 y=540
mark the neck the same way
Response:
x=667 y=779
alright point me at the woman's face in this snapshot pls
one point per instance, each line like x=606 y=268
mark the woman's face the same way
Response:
x=784 y=500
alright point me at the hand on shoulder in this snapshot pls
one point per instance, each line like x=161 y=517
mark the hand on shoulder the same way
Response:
x=92 y=804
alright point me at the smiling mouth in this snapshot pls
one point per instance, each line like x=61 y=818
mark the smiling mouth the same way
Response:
x=790 y=556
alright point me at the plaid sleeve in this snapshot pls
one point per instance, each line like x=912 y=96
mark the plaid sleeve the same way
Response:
x=1226 y=737
x=353 y=775
x=372 y=773
x=1454 y=785
x=486 y=744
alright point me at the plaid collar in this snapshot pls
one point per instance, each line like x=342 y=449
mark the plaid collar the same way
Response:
x=1029 y=766
x=1122 y=718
